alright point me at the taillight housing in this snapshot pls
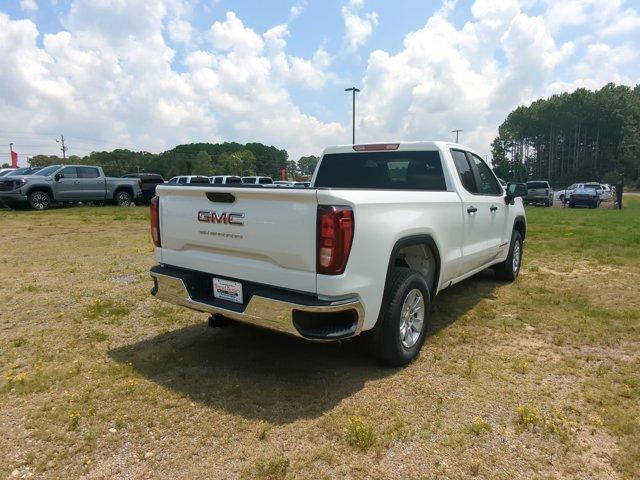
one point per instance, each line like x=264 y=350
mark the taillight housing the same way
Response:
x=335 y=227
x=155 y=221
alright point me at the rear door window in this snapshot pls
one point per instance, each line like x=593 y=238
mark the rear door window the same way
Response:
x=419 y=170
x=88 y=172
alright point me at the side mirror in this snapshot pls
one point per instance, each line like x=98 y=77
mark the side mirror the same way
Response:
x=58 y=176
x=515 y=190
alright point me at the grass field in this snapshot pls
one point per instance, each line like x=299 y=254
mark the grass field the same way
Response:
x=536 y=379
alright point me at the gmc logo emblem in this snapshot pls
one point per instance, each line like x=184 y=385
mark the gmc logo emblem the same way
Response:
x=227 y=218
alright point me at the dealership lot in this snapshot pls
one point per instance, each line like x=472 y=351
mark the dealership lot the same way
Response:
x=538 y=378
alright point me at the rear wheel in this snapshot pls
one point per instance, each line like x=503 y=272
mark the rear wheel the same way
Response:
x=123 y=198
x=400 y=332
x=510 y=268
x=547 y=203
x=39 y=200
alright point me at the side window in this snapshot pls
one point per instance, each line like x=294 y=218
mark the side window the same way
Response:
x=88 y=172
x=488 y=183
x=464 y=171
x=182 y=179
x=173 y=180
x=69 y=172
x=265 y=181
x=217 y=180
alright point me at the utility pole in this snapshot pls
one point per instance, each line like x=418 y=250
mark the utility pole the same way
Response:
x=353 y=90
x=63 y=147
x=457 y=132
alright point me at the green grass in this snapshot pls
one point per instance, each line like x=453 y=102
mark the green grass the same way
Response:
x=535 y=379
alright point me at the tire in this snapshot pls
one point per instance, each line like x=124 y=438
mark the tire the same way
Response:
x=39 y=200
x=123 y=198
x=406 y=300
x=572 y=205
x=547 y=204
x=561 y=197
x=510 y=268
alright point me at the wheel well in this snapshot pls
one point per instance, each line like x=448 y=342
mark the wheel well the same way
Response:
x=418 y=253
x=520 y=226
x=40 y=189
x=129 y=190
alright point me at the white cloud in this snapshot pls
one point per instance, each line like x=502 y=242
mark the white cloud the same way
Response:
x=470 y=77
x=110 y=77
x=297 y=8
x=180 y=31
x=29 y=5
x=358 y=28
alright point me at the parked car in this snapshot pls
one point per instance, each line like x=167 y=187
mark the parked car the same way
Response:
x=225 y=179
x=604 y=190
x=21 y=171
x=539 y=192
x=5 y=171
x=258 y=180
x=288 y=184
x=67 y=183
x=186 y=179
x=585 y=195
x=381 y=231
x=148 y=184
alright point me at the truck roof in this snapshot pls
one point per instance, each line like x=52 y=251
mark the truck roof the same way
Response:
x=401 y=146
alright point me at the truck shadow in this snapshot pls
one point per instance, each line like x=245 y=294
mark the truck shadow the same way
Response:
x=272 y=377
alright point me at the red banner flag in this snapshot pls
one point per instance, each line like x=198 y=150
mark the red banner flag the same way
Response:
x=14 y=159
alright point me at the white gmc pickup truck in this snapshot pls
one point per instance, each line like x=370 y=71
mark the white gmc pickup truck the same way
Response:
x=382 y=229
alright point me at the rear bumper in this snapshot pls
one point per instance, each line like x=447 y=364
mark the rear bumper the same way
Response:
x=281 y=310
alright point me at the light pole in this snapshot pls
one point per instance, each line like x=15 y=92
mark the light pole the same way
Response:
x=353 y=90
x=457 y=132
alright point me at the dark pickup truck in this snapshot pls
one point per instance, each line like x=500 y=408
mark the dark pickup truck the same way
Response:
x=148 y=183
x=67 y=183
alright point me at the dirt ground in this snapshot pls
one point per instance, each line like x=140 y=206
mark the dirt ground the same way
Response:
x=535 y=379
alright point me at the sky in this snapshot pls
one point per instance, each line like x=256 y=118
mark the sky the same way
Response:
x=150 y=74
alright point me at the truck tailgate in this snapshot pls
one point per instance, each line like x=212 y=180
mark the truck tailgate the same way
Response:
x=273 y=243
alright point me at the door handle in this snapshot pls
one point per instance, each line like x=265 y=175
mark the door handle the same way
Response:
x=472 y=209
x=493 y=208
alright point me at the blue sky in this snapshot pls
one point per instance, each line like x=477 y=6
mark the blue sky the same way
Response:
x=147 y=74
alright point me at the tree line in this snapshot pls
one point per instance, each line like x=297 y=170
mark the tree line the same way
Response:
x=572 y=137
x=228 y=158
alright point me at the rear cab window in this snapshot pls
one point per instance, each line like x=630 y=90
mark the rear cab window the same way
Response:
x=398 y=170
x=538 y=185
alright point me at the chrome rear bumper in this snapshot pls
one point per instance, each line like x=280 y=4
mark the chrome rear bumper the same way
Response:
x=313 y=321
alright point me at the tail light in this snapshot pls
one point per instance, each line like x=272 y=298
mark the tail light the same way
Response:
x=334 y=238
x=155 y=221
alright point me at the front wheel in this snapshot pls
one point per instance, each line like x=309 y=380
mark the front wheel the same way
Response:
x=400 y=332
x=39 y=200
x=123 y=198
x=510 y=268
